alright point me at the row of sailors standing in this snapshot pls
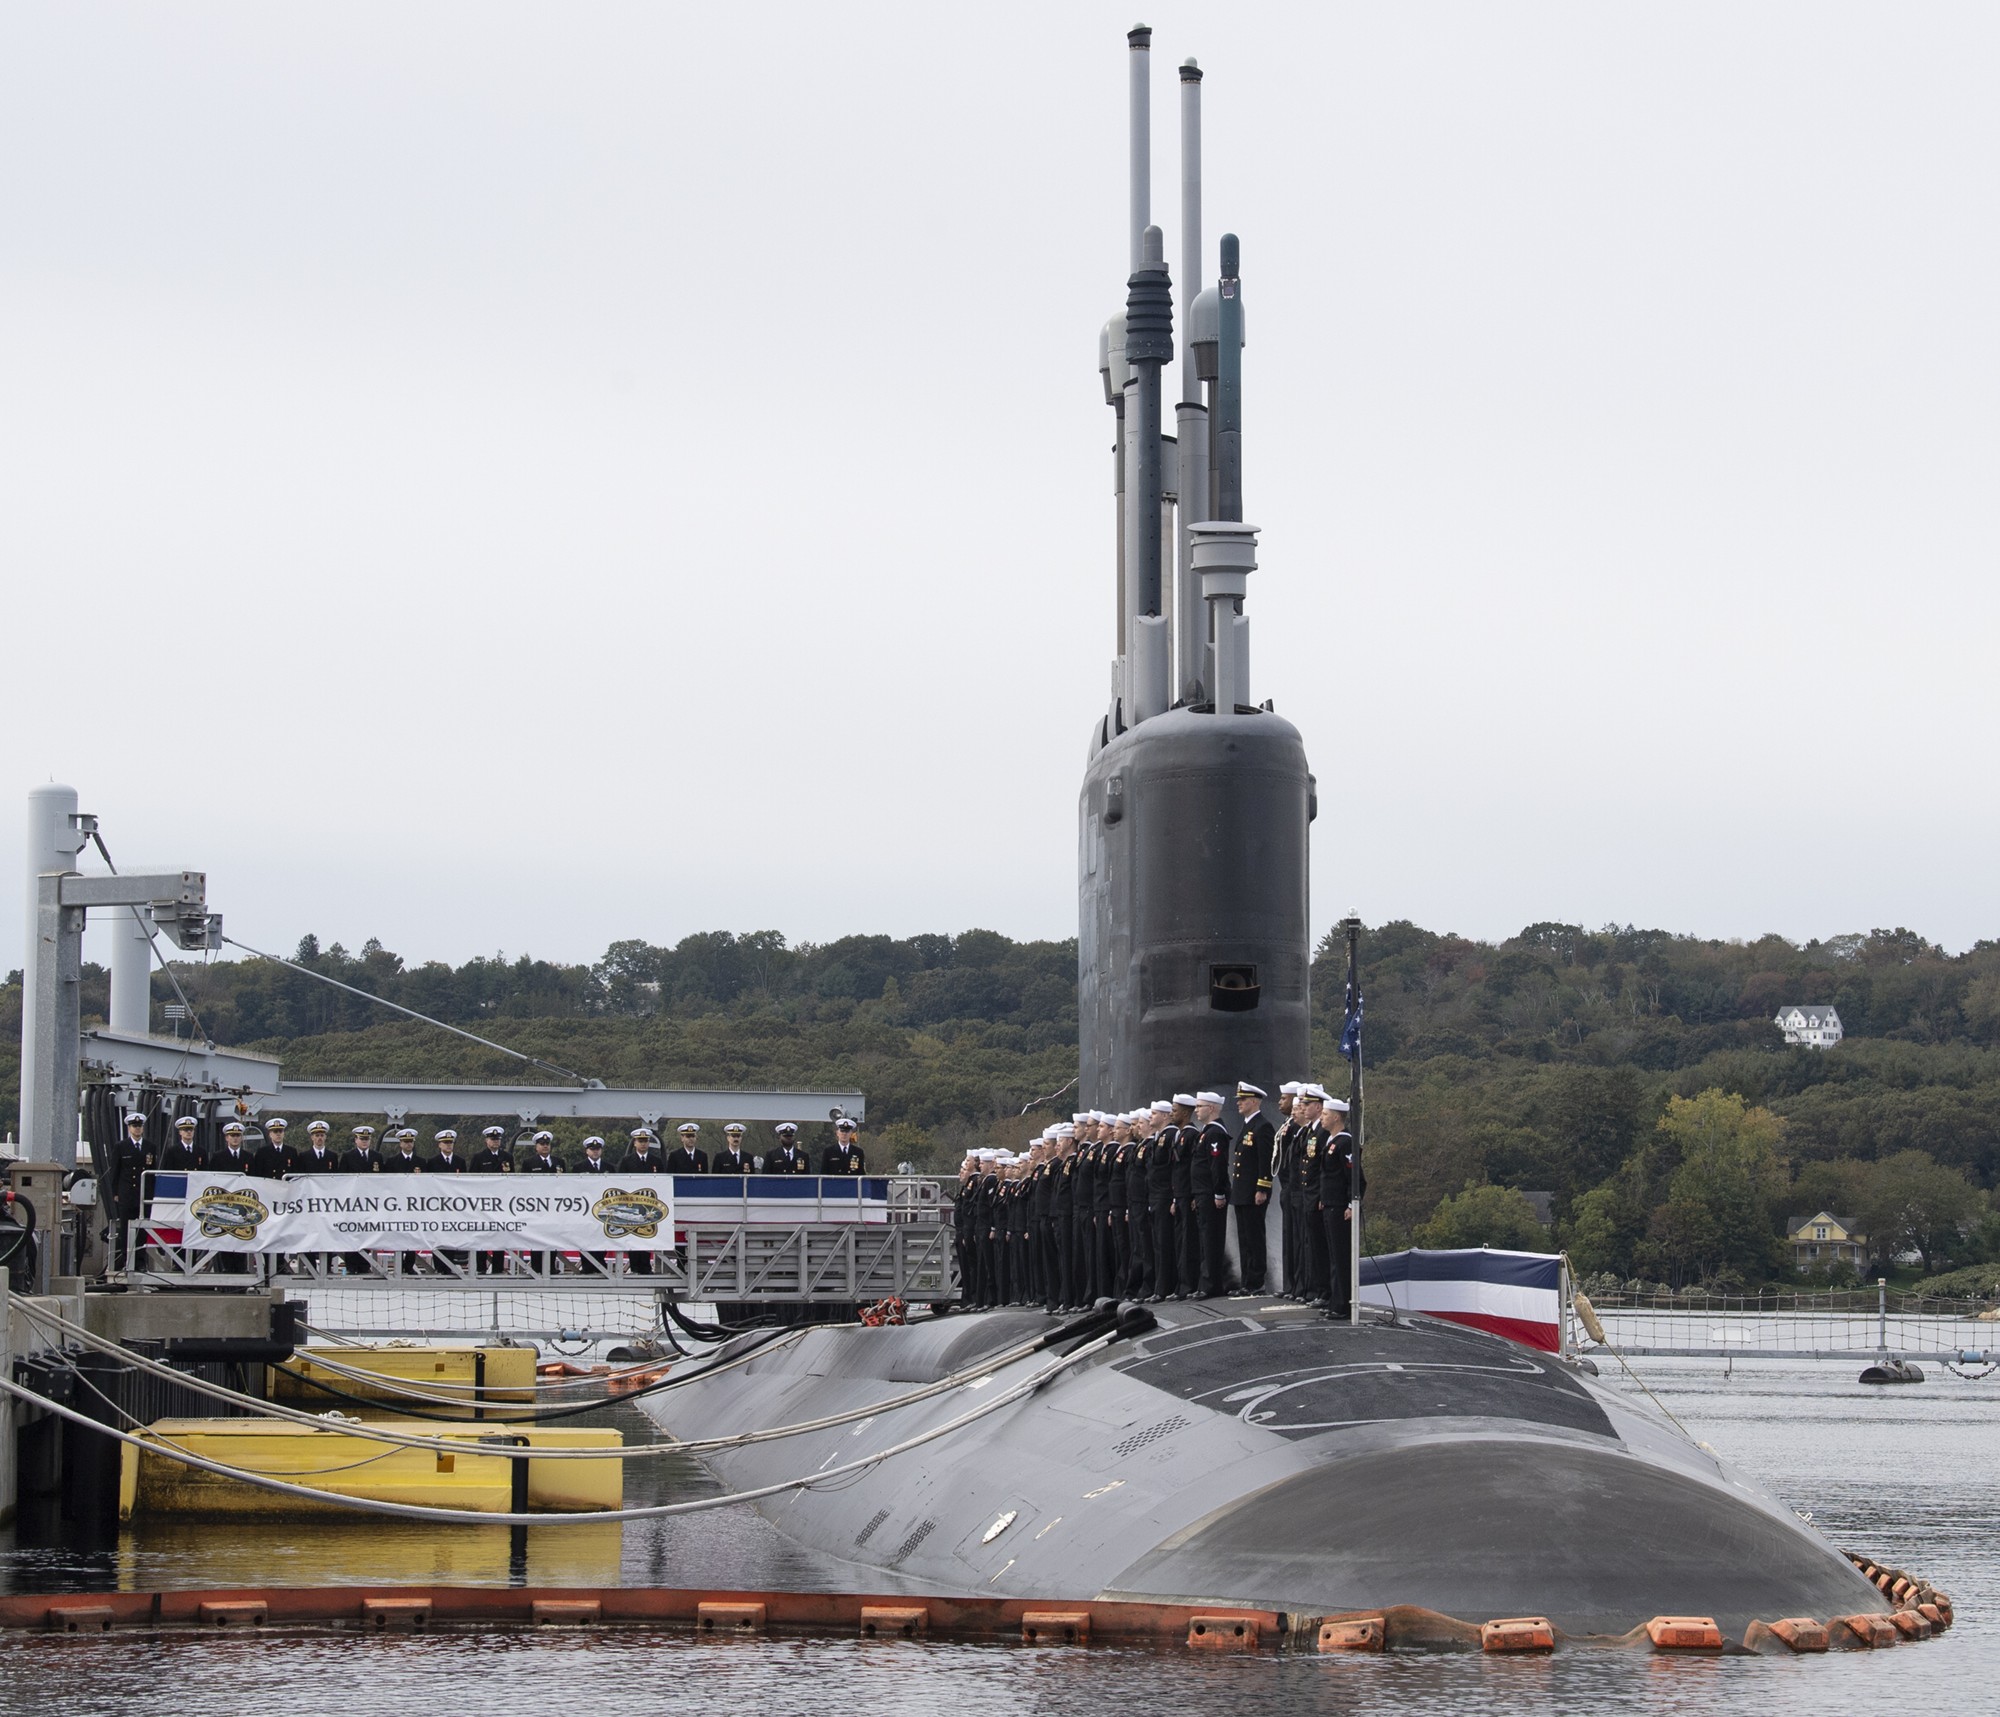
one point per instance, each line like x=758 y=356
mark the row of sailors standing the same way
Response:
x=275 y=1159
x=1134 y=1205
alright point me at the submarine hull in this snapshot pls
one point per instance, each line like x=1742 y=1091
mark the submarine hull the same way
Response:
x=1265 y=1457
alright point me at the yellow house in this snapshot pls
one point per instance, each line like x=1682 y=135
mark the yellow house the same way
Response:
x=1825 y=1239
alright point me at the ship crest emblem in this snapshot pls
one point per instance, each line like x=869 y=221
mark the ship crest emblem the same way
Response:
x=630 y=1215
x=238 y=1214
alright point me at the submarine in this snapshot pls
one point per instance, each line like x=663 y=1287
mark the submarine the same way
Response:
x=1228 y=1451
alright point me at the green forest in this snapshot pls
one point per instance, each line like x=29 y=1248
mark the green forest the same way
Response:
x=1634 y=1077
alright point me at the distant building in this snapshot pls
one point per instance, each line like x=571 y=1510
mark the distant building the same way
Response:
x=1823 y=1239
x=1815 y=1027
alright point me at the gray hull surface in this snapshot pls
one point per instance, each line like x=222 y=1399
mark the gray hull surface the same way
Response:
x=1246 y=1455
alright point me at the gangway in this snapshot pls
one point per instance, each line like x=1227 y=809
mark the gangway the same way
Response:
x=811 y=1239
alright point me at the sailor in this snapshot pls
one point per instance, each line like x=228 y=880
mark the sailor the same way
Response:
x=1187 y=1220
x=404 y=1159
x=730 y=1159
x=1162 y=1205
x=1312 y=1138
x=1208 y=1183
x=319 y=1156
x=1003 y=1250
x=230 y=1156
x=1062 y=1218
x=1114 y=1181
x=274 y=1159
x=184 y=1153
x=1104 y=1145
x=1034 y=1177
x=493 y=1156
x=961 y=1225
x=1341 y=1183
x=1138 y=1216
x=131 y=1161
x=1250 y=1183
x=1083 y=1220
x=594 y=1163
x=843 y=1156
x=542 y=1159
x=688 y=1157
x=643 y=1158
x=787 y=1158
x=989 y=1228
x=363 y=1158
x=1283 y=1155
x=445 y=1159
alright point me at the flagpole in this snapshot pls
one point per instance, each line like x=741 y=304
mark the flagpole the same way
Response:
x=1355 y=1121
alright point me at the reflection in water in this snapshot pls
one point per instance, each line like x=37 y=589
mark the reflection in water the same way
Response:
x=1903 y=1474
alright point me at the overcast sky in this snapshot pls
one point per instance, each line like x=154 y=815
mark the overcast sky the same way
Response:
x=515 y=477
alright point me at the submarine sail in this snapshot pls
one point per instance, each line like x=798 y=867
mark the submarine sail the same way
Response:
x=1194 y=937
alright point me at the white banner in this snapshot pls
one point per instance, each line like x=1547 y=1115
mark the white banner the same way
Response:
x=419 y=1213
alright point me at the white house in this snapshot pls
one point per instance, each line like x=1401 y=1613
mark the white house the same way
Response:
x=1815 y=1027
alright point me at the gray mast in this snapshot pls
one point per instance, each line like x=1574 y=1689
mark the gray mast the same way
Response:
x=1149 y=347
x=1140 y=40
x=1191 y=417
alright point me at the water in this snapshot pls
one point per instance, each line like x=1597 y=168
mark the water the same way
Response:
x=1903 y=1474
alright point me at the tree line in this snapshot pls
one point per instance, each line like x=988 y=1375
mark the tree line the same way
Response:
x=1632 y=1077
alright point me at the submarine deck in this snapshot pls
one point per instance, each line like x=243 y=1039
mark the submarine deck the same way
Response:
x=1245 y=1453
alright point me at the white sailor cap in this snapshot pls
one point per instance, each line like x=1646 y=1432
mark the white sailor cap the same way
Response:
x=444 y=1134
x=1081 y=1116
x=1337 y=1103
x=1313 y=1093
x=1245 y=1089
x=1065 y=1131
x=186 y=1121
x=687 y=1127
x=493 y=1132
x=1214 y=1097
x=1291 y=1088
x=135 y=1119
x=364 y=1131
x=1182 y=1100
x=645 y=1133
x=987 y=1156
x=734 y=1127
x=322 y=1127
x=1159 y=1106
x=276 y=1124
x=409 y=1133
x=847 y=1124
x=545 y=1138
x=593 y=1143
x=786 y=1127
x=232 y=1126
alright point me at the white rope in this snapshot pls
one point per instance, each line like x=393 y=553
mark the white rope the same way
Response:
x=475 y=1517
x=452 y=1442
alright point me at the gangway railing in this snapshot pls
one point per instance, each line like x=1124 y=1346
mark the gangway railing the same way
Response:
x=1787 y=1325
x=834 y=1239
